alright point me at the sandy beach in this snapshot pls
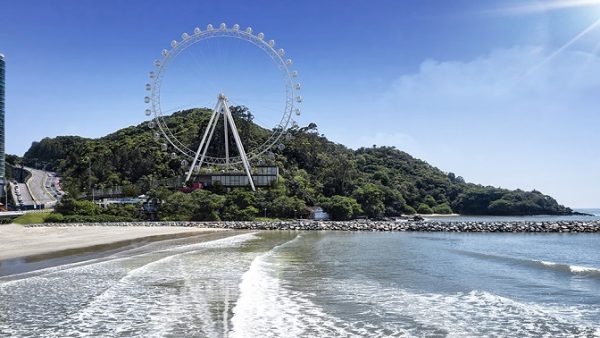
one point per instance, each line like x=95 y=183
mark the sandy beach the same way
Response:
x=19 y=241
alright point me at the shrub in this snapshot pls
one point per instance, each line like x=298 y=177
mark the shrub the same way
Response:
x=208 y=206
x=177 y=207
x=288 y=207
x=123 y=210
x=430 y=201
x=234 y=213
x=409 y=210
x=55 y=218
x=7 y=220
x=500 y=207
x=32 y=218
x=424 y=209
x=70 y=206
x=442 y=209
x=341 y=208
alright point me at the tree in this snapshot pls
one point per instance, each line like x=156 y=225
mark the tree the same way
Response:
x=207 y=206
x=239 y=205
x=70 y=206
x=177 y=207
x=312 y=168
x=288 y=207
x=394 y=202
x=371 y=199
x=124 y=211
x=232 y=212
x=341 y=208
x=240 y=197
x=500 y=207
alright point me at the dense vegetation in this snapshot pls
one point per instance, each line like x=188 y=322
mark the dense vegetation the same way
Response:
x=374 y=182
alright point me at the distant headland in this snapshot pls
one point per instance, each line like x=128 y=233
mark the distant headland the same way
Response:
x=373 y=182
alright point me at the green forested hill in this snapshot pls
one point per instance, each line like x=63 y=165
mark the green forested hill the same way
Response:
x=375 y=181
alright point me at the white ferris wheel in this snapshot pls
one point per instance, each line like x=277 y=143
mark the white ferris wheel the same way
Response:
x=240 y=156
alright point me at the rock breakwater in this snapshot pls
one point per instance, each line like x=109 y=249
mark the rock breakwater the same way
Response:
x=367 y=225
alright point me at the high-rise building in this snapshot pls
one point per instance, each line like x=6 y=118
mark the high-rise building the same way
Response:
x=2 y=159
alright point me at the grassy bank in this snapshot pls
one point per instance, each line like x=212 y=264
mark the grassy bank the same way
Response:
x=32 y=218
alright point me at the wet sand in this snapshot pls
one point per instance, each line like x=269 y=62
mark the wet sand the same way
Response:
x=17 y=241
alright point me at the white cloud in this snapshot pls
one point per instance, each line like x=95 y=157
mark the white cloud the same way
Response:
x=505 y=81
x=501 y=118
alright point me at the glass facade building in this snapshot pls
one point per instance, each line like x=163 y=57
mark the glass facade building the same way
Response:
x=2 y=159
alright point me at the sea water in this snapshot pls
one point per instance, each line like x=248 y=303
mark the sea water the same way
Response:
x=590 y=215
x=318 y=284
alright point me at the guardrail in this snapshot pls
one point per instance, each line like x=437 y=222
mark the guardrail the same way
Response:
x=11 y=213
x=36 y=202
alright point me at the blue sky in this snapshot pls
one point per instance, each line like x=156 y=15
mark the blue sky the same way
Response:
x=490 y=90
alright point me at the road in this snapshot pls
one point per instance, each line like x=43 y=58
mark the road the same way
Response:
x=41 y=184
x=41 y=189
x=21 y=195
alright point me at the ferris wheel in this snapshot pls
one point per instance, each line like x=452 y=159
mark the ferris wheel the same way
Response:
x=241 y=156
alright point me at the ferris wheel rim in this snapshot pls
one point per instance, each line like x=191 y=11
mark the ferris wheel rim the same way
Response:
x=258 y=40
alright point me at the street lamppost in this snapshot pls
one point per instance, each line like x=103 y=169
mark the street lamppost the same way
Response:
x=265 y=212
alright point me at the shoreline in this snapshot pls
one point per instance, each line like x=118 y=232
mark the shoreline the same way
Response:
x=574 y=226
x=27 y=248
x=34 y=242
x=36 y=245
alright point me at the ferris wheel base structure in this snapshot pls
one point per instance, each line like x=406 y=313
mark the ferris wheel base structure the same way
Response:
x=221 y=110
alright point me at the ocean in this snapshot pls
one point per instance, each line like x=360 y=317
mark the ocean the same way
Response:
x=594 y=215
x=318 y=284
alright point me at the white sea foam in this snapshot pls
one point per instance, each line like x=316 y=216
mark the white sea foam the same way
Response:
x=266 y=307
x=185 y=291
x=576 y=269
x=583 y=269
x=165 y=296
x=471 y=314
